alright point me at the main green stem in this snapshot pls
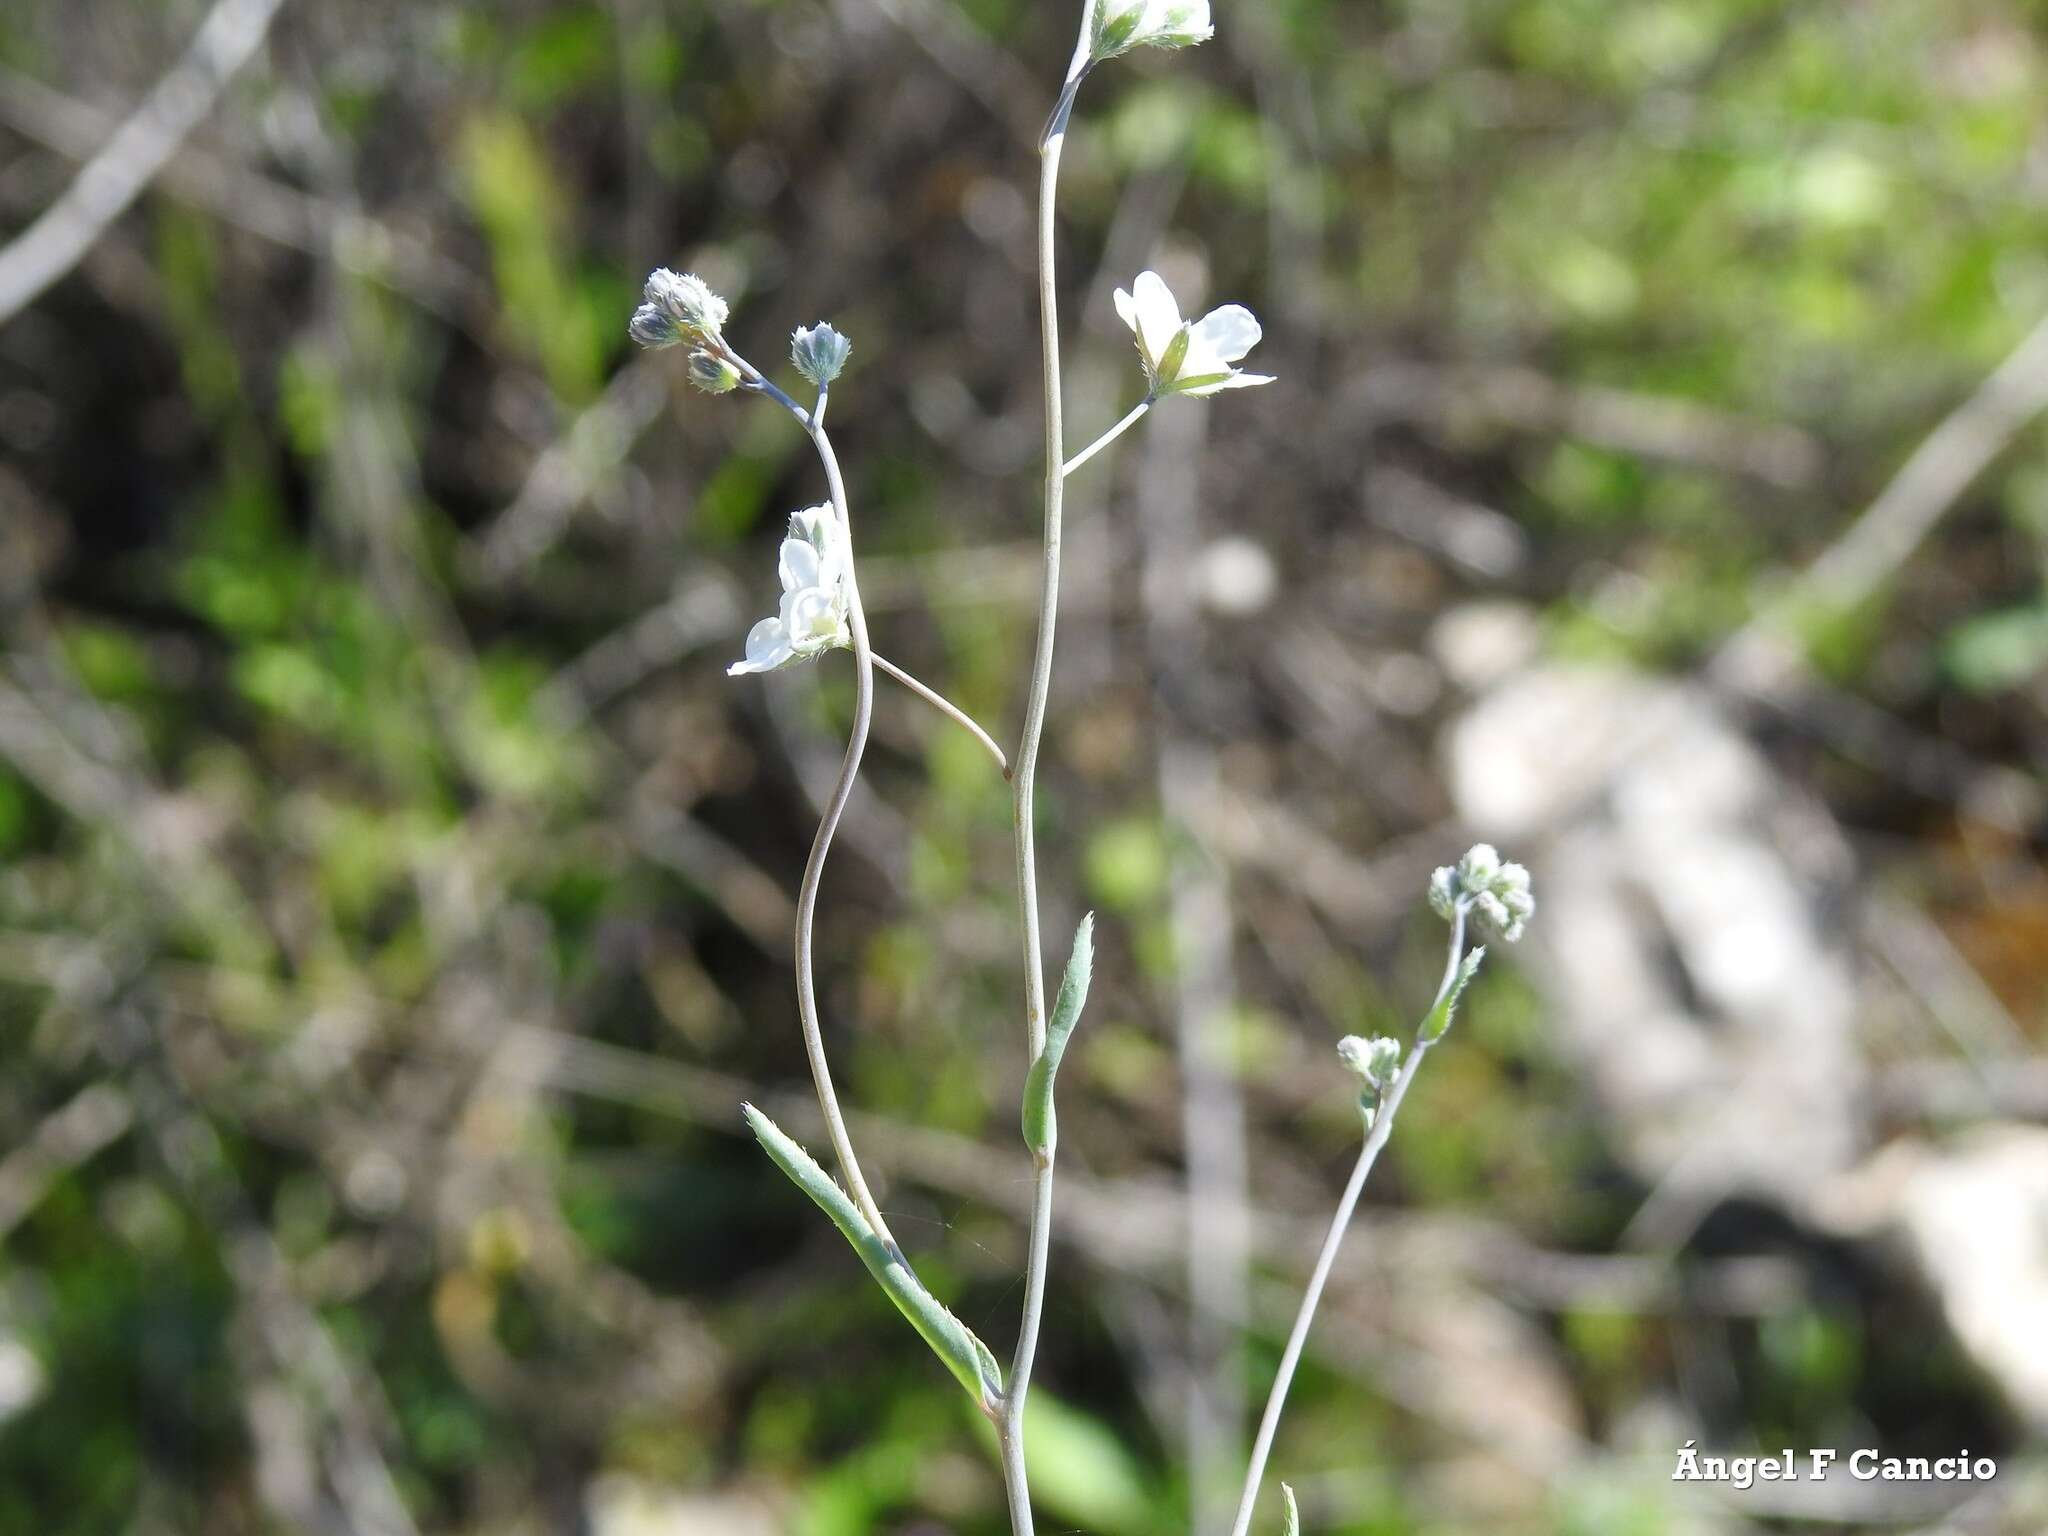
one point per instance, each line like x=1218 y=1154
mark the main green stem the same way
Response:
x=1010 y=1425
x=1382 y=1128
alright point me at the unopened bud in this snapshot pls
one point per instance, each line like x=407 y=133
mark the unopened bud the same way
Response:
x=713 y=374
x=819 y=352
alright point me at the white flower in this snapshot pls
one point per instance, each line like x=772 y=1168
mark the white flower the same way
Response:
x=1498 y=892
x=1182 y=358
x=813 y=617
x=1121 y=25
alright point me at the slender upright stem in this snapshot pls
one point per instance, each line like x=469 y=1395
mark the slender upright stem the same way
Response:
x=1382 y=1128
x=1010 y=1428
x=1108 y=437
x=946 y=707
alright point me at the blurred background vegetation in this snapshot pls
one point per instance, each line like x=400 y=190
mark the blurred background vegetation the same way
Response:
x=394 y=893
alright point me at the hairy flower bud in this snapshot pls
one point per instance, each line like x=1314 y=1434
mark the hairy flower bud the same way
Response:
x=678 y=307
x=713 y=374
x=1372 y=1061
x=819 y=352
x=1497 y=892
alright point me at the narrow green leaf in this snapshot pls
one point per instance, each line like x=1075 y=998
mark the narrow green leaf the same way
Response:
x=1293 y=1514
x=1041 y=1128
x=1439 y=1018
x=952 y=1340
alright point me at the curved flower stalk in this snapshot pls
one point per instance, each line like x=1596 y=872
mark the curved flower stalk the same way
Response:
x=1477 y=883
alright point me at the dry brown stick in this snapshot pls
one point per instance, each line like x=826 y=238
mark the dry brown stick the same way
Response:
x=595 y=444
x=1653 y=426
x=113 y=178
x=92 y=1119
x=1759 y=657
x=245 y=198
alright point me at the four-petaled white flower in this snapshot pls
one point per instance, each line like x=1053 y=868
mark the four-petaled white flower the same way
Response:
x=1121 y=25
x=1183 y=358
x=815 y=601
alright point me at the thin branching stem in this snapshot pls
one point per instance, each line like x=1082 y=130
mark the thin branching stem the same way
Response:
x=1130 y=419
x=835 y=806
x=948 y=708
x=1382 y=1128
x=1010 y=1428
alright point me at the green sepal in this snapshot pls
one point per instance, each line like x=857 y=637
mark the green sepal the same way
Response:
x=1114 y=38
x=1195 y=381
x=1170 y=361
x=1293 y=1527
x=1041 y=1128
x=1439 y=1018
x=951 y=1340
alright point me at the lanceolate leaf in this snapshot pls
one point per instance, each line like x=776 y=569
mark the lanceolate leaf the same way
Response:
x=952 y=1340
x=1041 y=1129
x=1439 y=1018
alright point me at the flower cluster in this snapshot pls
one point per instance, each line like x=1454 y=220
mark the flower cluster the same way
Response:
x=677 y=307
x=816 y=596
x=1121 y=25
x=1184 y=357
x=1372 y=1061
x=1481 y=883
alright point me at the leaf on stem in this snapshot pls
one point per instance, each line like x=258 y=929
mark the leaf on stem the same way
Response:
x=1439 y=1018
x=1041 y=1130
x=952 y=1340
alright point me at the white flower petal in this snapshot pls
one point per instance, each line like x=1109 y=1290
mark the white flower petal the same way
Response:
x=1201 y=359
x=799 y=565
x=1158 y=316
x=1230 y=332
x=1127 y=310
x=768 y=647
